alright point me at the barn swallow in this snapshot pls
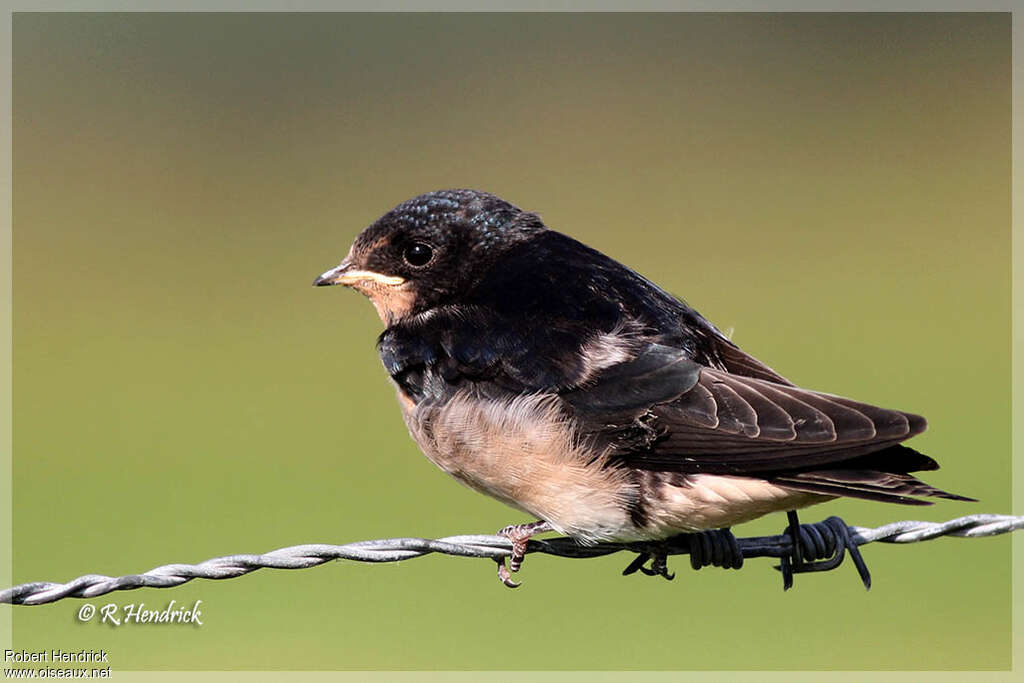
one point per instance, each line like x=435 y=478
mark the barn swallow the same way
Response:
x=543 y=373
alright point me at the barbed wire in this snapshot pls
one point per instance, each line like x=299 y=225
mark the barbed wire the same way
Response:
x=478 y=546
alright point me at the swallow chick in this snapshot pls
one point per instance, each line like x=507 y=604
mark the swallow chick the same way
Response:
x=543 y=373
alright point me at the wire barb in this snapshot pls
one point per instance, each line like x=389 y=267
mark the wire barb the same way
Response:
x=479 y=546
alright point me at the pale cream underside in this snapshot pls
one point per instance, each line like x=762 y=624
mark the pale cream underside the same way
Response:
x=523 y=453
x=713 y=501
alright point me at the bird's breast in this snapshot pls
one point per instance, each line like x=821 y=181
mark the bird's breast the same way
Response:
x=524 y=452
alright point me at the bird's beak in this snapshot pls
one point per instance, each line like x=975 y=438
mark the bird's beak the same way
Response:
x=346 y=274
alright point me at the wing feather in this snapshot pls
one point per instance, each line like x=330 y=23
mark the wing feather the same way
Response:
x=810 y=423
x=773 y=421
x=735 y=414
x=692 y=418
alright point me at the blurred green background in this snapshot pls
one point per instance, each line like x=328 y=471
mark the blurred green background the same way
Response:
x=833 y=187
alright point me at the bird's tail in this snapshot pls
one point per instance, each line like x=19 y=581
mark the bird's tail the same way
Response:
x=881 y=476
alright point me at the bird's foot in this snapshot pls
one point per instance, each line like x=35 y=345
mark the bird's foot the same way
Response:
x=519 y=535
x=659 y=564
x=715 y=547
x=819 y=547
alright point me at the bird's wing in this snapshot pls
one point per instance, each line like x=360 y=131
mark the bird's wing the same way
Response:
x=738 y=362
x=662 y=411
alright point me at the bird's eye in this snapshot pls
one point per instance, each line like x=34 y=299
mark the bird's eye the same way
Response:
x=418 y=254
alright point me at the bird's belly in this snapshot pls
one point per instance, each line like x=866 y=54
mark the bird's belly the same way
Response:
x=523 y=452
x=709 y=501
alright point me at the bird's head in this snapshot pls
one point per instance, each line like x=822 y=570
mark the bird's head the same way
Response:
x=430 y=249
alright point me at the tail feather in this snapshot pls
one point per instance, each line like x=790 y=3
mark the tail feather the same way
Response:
x=887 y=487
x=896 y=458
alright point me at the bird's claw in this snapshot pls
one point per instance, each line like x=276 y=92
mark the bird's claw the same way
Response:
x=519 y=536
x=504 y=576
x=715 y=547
x=659 y=565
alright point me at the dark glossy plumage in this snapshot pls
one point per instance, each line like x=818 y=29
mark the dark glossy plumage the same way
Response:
x=508 y=308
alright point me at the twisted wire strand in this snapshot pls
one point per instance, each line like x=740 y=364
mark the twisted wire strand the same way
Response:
x=479 y=546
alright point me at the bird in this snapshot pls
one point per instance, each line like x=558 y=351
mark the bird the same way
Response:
x=543 y=373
